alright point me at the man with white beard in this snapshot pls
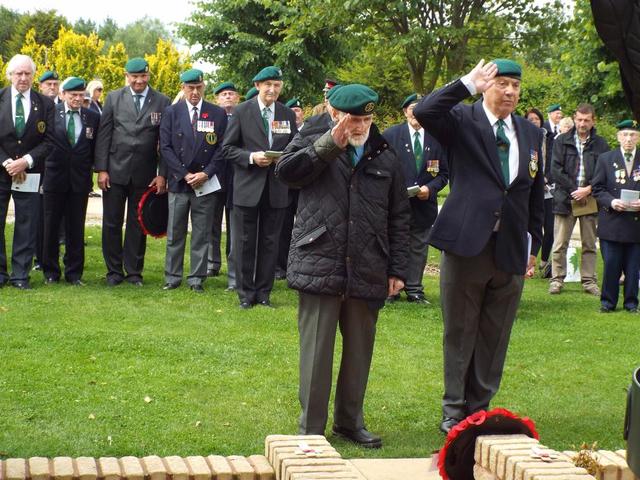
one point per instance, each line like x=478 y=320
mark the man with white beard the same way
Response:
x=349 y=252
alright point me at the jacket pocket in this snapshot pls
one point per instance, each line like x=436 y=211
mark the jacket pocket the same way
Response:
x=310 y=237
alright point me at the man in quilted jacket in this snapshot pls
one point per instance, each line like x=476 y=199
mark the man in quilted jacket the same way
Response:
x=349 y=251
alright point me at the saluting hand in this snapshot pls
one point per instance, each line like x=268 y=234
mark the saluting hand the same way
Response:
x=483 y=75
x=340 y=132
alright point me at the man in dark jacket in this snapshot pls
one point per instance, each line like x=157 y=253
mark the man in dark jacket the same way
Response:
x=617 y=175
x=424 y=164
x=191 y=135
x=573 y=165
x=348 y=253
x=67 y=183
x=495 y=206
x=26 y=121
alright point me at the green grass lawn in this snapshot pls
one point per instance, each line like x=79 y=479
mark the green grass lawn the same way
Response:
x=76 y=365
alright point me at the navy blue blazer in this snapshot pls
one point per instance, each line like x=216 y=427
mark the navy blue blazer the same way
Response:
x=479 y=196
x=185 y=153
x=606 y=185
x=69 y=168
x=433 y=173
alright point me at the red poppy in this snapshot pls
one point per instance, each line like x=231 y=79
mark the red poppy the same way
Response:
x=205 y=115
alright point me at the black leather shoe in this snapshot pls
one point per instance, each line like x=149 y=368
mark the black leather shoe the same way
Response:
x=77 y=283
x=170 y=286
x=50 y=280
x=113 y=281
x=22 y=285
x=213 y=272
x=418 y=299
x=197 y=288
x=280 y=276
x=245 y=305
x=266 y=303
x=230 y=289
x=448 y=423
x=632 y=310
x=136 y=282
x=37 y=266
x=361 y=437
x=606 y=310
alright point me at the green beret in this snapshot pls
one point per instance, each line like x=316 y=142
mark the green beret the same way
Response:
x=333 y=90
x=252 y=92
x=628 y=125
x=225 y=86
x=355 y=99
x=48 y=75
x=137 y=65
x=413 y=98
x=73 y=84
x=554 y=108
x=268 y=73
x=507 y=68
x=193 y=75
x=294 y=102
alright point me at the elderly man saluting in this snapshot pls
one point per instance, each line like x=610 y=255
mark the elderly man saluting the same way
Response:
x=495 y=205
x=348 y=253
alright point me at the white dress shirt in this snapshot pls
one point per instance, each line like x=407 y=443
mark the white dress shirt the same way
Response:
x=510 y=132
x=272 y=114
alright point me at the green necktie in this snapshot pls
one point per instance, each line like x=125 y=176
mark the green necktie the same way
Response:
x=138 y=102
x=19 y=115
x=417 y=150
x=353 y=156
x=265 y=120
x=71 y=128
x=503 y=144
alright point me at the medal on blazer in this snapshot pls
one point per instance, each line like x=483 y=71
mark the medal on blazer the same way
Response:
x=280 y=126
x=636 y=175
x=41 y=126
x=433 y=167
x=620 y=176
x=533 y=163
x=155 y=118
x=206 y=126
x=211 y=138
x=89 y=133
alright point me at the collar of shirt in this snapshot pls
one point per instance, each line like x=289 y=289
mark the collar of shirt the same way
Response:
x=190 y=108
x=412 y=132
x=272 y=107
x=26 y=95
x=359 y=151
x=633 y=153
x=493 y=119
x=144 y=93
x=67 y=108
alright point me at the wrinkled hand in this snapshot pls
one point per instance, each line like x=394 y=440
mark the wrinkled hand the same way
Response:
x=340 y=132
x=424 y=193
x=196 y=180
x=581 y=193
x=261 y=160
x=103 y=181
x=17 y=166
x=395 y=285
x=483 y=75
x=531 y=267
x=618 y=205
x=635 y=205
x=160 y=183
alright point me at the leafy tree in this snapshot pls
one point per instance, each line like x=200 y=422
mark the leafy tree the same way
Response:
x=243 y=36
x=8 y=21
x=589 y=72
x=165 y=65
x=39 y=53
x=46 y=25
x=85 y=26
x=107 y=31
x=110 y=68
x=74 y=54
x=141 y=37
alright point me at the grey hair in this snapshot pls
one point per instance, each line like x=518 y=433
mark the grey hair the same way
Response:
x=17 y=60
x=93 y=84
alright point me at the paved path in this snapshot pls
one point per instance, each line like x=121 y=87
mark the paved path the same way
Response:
x=396 y=469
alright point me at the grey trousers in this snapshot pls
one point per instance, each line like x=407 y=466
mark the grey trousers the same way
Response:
x=479 y=305
x=27 y=217
x=318 y=319
x=418 y=250
x=201 y=218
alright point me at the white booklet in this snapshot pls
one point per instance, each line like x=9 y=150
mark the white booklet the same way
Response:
x=210 y=186
x=30 y=185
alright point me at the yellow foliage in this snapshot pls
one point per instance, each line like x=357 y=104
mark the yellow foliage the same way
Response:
x=110 y=68
x=76 y=55
x=165 y=66
x=38 y=53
